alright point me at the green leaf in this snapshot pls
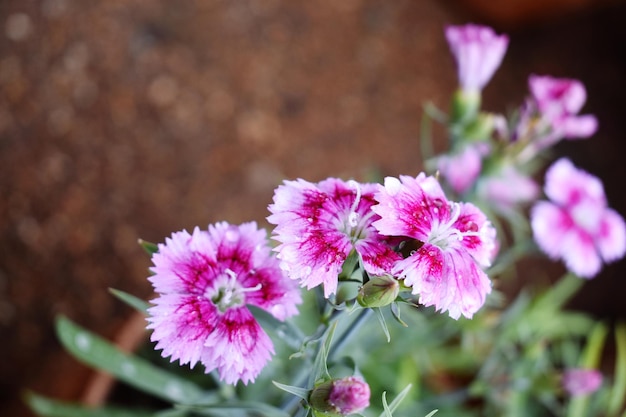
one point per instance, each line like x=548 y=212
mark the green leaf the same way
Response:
x=432 y=413
x=618 y=393
x=320 y=367
x=47 y=407
x=149 y=247
x=252 y=406
x=141 y=374
x=134 y=302
x=383 y=323
x=389 y=409
x=297 y=391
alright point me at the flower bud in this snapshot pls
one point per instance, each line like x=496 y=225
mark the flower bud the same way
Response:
x=581 y=381
x=465 y=106
x=378 y=292
x=340 y=397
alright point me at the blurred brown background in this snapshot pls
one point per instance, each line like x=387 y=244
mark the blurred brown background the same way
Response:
x=128 y=118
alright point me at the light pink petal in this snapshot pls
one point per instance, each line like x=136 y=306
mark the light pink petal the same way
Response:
x=184 y=264
x=479 y=236
x=181 y=324
x=409 y=207
x=578 y=127
x=472 y=284
x=238 y=348
x=549 y=224
x=378 y=258
x=567 y=185
x=611 y=239
x=557 y=96
x=579 y=254
x=478 y=52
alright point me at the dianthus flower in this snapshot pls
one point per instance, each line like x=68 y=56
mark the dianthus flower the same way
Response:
x=478 y=52
x=318 y=225
x=559 y=100
x=454 y=241
x=204 y=281
x=576 y=225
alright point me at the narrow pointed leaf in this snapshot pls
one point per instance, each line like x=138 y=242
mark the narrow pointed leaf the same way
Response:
x=47 y=407
x=149 y=247
x=383 y=323
x=618 y=392
x=99 y=353
x=390 y=408
x=134 y=302
x=297 y=391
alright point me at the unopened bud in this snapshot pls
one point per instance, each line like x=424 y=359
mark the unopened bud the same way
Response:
x=378 y=291
x=465 y=106
x=340 y=397
x=579 y=382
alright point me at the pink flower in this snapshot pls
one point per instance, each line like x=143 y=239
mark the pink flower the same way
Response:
x=478 y=52
x=318 y=226
x=341 y=397
x=455 y=241
x=461 y=169
x=559 y=100
x=507 y=189
x=204 y=281
x=577 y=226
x=581 y=381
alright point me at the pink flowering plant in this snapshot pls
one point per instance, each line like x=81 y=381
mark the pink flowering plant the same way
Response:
x=386 y=298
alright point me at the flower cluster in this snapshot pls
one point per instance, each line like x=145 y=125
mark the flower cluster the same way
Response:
x=440 y=239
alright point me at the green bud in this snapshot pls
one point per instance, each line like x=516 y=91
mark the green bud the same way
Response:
x=378 y=291
x=465 y=106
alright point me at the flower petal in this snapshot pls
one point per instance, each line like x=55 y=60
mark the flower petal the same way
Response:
x=238 y=348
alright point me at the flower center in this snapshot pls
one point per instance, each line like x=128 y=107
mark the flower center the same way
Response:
x=228 y=292
x=445 y=234
x=355 y=225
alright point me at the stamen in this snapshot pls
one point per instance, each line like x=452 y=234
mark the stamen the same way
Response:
x=353 y=218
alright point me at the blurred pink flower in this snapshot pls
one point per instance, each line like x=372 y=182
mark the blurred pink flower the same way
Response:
x=578 y=381
x=478 y=52
x=559 y=100
x=204 y=281
x=318 y=225
x=461 y=169
x=576 y=225
x=507 y=189
x=456 y=240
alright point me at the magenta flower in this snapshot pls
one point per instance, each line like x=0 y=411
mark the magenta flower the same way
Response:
x=461 y=169
x=579 y=382
x=577 y=226
x=559 y=100
x=204 y=281
x=318 y=226
x=478 y=52
x=455 y=239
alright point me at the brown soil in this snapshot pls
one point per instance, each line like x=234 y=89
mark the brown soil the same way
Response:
x=126 y=119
